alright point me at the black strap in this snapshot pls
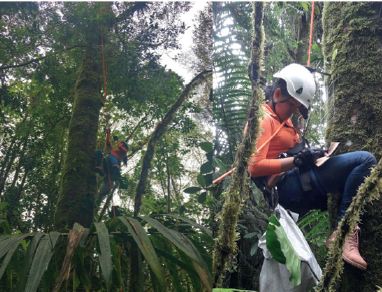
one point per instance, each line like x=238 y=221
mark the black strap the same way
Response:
x=271 y=195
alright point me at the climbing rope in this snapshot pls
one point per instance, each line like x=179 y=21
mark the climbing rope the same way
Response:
x=310 y=34
x=104 y=69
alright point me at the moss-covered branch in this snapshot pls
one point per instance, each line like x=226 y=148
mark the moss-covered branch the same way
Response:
x=225 y=250
x=160 y=129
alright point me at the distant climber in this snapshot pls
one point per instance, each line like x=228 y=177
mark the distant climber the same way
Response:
x=108 y=162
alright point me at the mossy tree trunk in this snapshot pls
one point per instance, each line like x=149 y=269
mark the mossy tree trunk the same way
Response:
x=78 y=186
x=353 y=54
x=225 y=255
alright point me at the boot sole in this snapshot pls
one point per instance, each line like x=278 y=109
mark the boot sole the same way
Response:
x=349 y=261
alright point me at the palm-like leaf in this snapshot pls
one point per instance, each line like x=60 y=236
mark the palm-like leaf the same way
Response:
x=41 y=260
x=143 y=242
x=186 y=246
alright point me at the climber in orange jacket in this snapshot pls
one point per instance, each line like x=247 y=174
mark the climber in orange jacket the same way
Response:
x=301 y=185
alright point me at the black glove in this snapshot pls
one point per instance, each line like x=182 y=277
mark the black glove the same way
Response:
x=307 y=157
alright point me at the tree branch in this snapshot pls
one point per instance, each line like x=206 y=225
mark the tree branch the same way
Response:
x=160 y=129
x=37 y=59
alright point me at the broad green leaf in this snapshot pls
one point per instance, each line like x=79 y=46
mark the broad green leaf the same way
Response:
x=8 y=242
x=33 y=244
x=184 y=263
x=250 y=235
x=253 y=250
x=222 y=166
x=208 y=179
x=192 y=190
x=206 y=167
x=105 y=255
x=207 y=146
x=193 y=223
x=273 y=244
x=41 y=260
x=185 y=245
x=282 y=250
x=10 y=253
x=202 y=197
x=143 y=242
x=201 y=180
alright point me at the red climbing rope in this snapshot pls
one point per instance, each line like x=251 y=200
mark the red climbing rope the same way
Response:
x=310 y=34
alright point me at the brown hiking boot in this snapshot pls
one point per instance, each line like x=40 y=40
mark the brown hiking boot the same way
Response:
x=350 y=253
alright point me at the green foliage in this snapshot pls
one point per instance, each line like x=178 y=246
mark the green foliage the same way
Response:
x=41 y=259
x=145 y=246
x=183 y=255
x=282 y=250
x=105 y=252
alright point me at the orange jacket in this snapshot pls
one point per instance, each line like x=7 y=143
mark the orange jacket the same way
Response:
x=265 y=162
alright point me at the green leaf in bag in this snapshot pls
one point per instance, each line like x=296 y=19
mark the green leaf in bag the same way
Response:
x=282 y=250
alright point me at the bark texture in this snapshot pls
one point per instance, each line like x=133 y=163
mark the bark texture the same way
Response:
x=353 y=53
x=78 y=186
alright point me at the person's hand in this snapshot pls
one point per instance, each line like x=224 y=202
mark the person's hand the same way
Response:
x=307 y=157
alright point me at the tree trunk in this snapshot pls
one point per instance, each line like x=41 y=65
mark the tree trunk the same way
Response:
x=78 y=186
x=353 y=53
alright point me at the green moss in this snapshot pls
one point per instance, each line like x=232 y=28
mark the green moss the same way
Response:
x=352 y=49
x=78 y=186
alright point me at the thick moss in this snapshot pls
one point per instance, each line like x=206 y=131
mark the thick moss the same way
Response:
x=78 y=186
x=353 y=53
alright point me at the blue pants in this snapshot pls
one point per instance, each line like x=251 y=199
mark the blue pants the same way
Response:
x=343 y=173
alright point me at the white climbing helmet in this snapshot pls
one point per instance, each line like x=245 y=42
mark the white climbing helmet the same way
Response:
x=300 y=83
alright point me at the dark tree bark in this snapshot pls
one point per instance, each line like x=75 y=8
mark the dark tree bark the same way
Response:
x=353 y=53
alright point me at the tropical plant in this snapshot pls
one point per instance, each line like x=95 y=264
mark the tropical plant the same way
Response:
x=96 y=258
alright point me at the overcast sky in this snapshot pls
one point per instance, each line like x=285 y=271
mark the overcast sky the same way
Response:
x=186 y=42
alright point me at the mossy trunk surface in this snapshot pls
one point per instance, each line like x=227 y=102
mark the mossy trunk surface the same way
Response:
x=226 y=248
x=353 y=53
x=78 y=186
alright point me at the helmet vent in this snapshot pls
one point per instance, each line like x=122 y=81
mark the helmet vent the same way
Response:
x=299 y=91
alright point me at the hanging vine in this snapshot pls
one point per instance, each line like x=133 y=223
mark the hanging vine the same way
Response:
x=225 y=251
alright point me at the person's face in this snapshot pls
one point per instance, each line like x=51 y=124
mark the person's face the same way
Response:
x=285 y=106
